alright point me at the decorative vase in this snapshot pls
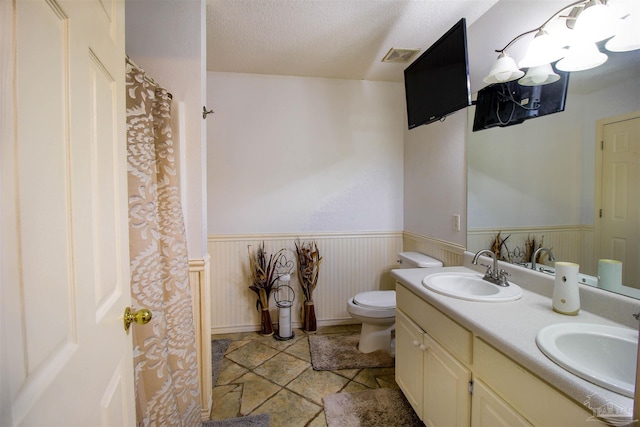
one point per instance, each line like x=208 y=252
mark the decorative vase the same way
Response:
x=266 y=326
x=309 y=318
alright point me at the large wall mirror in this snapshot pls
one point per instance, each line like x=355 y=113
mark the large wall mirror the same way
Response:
x=545 y=180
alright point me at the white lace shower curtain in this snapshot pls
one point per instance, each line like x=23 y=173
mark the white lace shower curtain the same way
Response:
x=165 y=361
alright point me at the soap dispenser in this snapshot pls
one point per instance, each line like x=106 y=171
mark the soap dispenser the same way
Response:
x=566 y=293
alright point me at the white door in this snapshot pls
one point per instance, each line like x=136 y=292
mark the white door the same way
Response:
x=65 y=265
x=620 y=236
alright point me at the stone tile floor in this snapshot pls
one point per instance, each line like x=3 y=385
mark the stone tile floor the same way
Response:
x=263 y=375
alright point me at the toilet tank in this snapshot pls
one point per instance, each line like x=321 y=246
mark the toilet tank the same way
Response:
x=417 y=260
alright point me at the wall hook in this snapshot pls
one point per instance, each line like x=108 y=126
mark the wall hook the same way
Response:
x=205 y=112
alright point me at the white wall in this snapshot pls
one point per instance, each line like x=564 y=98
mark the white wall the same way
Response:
x=293 y=154
x=167 y=39
x=435 y=179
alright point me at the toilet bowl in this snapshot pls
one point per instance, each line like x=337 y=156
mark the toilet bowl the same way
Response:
x=376 y=310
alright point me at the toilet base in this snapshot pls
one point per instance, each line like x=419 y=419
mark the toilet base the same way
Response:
x=375 y=337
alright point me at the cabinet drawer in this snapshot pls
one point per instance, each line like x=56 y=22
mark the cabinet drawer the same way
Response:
x=530 y=396
x=448 y=333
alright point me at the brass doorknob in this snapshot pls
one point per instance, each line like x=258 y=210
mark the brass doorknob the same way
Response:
x=141 y=317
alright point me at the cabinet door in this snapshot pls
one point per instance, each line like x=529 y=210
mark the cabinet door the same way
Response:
x=489 y=410
x=409 y=357
x=447 y=401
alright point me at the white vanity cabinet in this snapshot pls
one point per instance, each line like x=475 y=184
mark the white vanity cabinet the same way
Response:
x=488 y=410
x=534 y=399
x=446 y=397
x=409 y=360
x=443 y=399
x=437 y=359
x=433 y=378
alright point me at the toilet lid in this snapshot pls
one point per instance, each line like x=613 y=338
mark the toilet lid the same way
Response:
x=376 y=299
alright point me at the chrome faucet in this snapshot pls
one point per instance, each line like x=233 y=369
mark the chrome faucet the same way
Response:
x=493 y=275
x=537 y=252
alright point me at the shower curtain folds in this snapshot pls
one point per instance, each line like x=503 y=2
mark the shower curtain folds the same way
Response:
x=165 y=359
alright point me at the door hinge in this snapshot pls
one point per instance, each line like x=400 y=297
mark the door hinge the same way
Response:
x=600 y=213
x=470 y=387
x=601 y=145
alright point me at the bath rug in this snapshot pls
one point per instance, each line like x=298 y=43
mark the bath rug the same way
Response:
x=378 y=407
x=218 y=348
x=258 y=420
x=332 y=352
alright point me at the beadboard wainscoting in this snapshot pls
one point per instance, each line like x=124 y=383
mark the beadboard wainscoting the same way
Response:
x=568 y=243
x=351 y=263
x=201 y=300
x=449 y=253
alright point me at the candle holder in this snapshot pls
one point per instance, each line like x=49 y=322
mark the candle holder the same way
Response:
x=284 y=297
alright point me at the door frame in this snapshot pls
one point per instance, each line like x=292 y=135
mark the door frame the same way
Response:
x=7 y=136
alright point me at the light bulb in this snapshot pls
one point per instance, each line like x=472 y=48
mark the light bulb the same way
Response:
x=543 y=49
x=503 y=70
x=582 y=55
x=540 y=75
x=596 y=22
x=627 y=37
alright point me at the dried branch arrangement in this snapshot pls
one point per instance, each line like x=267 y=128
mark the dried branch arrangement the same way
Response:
x=263 y=274
x=530 y=246
x=309 y=260
x=498 y=244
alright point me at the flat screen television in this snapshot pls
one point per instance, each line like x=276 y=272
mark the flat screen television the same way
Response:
x=508 y=104
x=437 y=82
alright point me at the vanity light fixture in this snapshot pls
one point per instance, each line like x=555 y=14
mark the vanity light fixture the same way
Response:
x=504 y=70
x=627 y=37
x=540 y=75
x=543 y=49
x=596 y=22
x=587 y=22
x=582 y=55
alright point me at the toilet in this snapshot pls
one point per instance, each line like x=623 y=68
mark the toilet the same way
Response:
x=377 y=309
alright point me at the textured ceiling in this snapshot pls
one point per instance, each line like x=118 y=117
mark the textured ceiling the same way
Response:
x=344 y=39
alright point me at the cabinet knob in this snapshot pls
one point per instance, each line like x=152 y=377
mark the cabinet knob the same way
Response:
x=416 y=343
x=422 y=347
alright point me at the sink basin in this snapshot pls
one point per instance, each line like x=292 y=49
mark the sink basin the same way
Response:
x=470 y=287
x=604 y=355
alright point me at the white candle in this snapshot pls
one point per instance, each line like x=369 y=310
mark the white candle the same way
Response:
x=609 y=274
x=284 y=319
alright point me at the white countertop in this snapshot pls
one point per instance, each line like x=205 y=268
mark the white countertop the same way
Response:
x=511 y=327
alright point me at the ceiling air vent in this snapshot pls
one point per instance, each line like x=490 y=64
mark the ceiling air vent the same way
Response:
x=400 y=55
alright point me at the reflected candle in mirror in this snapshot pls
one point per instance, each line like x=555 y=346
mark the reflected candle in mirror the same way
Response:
x=610 y=274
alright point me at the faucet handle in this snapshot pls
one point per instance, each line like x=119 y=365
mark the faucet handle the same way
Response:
x=502 y=277
x=489 y=274
x=489 y=271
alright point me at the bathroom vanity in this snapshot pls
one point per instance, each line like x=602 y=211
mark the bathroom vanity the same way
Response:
x=467 y=363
